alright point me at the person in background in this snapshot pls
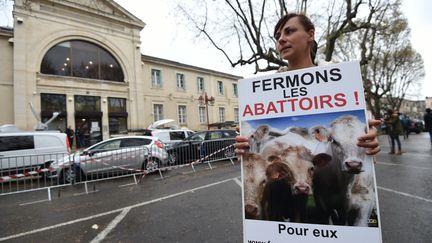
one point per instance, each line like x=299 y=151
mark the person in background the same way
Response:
x=80 y=138
x=394 y=130
x=405 y=121
x=295 y=42
x=428 y=123
x=70 y=135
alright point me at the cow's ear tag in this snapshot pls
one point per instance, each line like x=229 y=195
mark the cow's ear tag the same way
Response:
x=321 y=159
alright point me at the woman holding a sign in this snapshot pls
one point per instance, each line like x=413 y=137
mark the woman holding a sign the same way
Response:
x=295 y=34
x=303 y=144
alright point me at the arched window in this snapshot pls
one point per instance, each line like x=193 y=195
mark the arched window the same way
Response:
x=81 y=59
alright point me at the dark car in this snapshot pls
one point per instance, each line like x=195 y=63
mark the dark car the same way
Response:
x=204 y=146
x=416 y=126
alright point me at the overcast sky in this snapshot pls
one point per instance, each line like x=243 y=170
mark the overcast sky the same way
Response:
x=163 y=37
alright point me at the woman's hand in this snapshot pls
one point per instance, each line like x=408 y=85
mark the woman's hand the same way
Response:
x=241 y=145
x=370 y=140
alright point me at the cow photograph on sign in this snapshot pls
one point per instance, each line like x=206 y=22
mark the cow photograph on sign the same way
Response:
x=308 y=169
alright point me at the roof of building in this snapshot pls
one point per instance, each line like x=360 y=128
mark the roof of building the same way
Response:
x=6 y=31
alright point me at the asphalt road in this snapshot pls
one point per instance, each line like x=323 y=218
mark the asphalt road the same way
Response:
x=204 y=206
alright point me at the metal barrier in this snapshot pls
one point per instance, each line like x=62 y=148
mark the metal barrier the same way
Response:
x=45 y=172
x=193 y=152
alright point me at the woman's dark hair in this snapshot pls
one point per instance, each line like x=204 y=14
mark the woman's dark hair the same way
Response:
x=305 y=22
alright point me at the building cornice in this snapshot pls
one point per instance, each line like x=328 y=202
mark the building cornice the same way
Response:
x=5 y=31
x=162 y=61
x=118 y=14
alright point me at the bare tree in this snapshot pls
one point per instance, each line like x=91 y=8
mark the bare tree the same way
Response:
x=372 y=31
x=247 y=22
x=392 y=67
x=251 y=23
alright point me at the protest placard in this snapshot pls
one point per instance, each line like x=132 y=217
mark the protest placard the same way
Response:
x=304 y=177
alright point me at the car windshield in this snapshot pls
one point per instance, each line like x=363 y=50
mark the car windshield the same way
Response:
x=196 y=137
x=133 y=142
x=215 y=135
x=109 y=145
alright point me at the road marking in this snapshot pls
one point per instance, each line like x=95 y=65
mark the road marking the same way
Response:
x=112 y=211
x=406 y=194
x=236 y=180
x=28 y=203
x=409 y=166
x=111 y=226
x=130 y=184
x=84 y=193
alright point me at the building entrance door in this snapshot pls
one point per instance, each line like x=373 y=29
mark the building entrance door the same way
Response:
x=88 y=131
x=88 y=120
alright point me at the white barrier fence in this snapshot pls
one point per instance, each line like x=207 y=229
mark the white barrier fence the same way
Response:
x=43 y=172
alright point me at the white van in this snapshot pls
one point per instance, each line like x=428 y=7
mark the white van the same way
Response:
x=21 y=151
x=170 y=136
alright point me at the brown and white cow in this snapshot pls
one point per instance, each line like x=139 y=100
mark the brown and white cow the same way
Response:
x=297 y=157
x=279 y=203
x=286 y=149
x=289 y=150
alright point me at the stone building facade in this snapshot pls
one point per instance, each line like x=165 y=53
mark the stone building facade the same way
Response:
x=82 y=58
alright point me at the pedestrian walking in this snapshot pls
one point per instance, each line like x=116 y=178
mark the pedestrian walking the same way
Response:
x=405 y=121
x=394 y=128
x=70 y=135
x=428 y=123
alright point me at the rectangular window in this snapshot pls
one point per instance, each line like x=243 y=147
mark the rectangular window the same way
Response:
x=158 y=112
x=202 y=114
x=177 y=135
x=182 y=114
x=236 y=114
x=235 y=91
x=9 y=143
x=221 y=114
x=156 y=78
x=220 y=87
x=87 y=103
x=200 y=84
x=180 y=81
x=116 y=104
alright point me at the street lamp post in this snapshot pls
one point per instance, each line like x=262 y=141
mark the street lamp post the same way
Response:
x=206 y=100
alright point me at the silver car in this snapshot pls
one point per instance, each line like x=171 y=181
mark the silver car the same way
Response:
x=111 y=157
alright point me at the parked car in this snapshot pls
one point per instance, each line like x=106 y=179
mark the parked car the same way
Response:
x=201 y=144
x=167 y=132
x=27 y=151
x=115 y=154
x=169 y=136
x=416 y=126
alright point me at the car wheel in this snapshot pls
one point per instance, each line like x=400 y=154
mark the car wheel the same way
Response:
x=45 y=165
x=172 y=158
x=70 y=175
x=229 y=152
x=153 y=165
